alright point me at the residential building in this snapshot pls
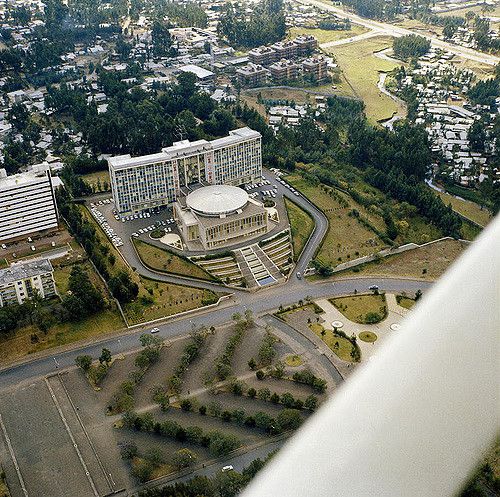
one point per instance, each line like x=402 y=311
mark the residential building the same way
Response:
x=252 y=75
x=316 y=68
x=284 y=70
x=154 y=180
x=285 y=49
x=263 y=56
x=22 y=280
x=27 y=203
x=306 y=44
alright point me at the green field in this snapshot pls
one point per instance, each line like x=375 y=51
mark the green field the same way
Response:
x=467 y=208
x=166 y=261
x=340 y=346
x=98 y=180
x=301 y=225
x=428 y=262
x=362 y=309
x=346 y=238
x=476 y=9
x=325 y=36
x=361 y=69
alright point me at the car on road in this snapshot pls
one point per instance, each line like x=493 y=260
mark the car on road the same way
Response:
x=373 y=287
x=227 y=468
x=299 y=276
x=155 y=330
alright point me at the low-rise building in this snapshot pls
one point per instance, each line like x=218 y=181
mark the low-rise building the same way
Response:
x=306 y=44
x=285 y=49
x=27 y=203
x=252 y=75
x=316 y=68
x=284 y=70
x=263 y=56
x=24 y=280
x=220 y=216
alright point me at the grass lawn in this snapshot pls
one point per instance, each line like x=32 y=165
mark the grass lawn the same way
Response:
x=405 y=302
x=368 y=336
x=476 y=9
x=166 y=261
x=339 y=345
x=157 y=299
x=301 y=225
x=346 y=238
x=428 y=262
x=97 y=180
x=467 y=208
x=360 y=68
x=3 y=263
x=363 y=309
x=293 y=361
x=326 y=35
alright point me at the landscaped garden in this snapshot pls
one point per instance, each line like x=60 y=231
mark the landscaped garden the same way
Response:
x=363 y=309
x=344 y=347
x=301 y=225
x=367 y=336
x=166 y=261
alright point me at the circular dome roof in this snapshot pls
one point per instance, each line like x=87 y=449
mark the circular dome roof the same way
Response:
x=217 y=200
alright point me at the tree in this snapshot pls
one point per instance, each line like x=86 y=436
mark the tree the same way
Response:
x=84 y=362
x=105 y=357
x=229 y=483
x=162 y=41
x=289 y=419
x=287 y=399
x=311 y=402
x=264 y=394
x=410 y=46
x=184 y=458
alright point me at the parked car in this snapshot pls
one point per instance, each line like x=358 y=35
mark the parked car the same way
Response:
x=155 y=330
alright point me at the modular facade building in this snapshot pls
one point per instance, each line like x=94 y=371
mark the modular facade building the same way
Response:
x=140 y=183
x=220 y=216
x=22 y=280
x=27 y=203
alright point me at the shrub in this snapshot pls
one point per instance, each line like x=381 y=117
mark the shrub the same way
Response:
x=186 y=405
x=260 y=374
x=203 y=410
x=252 y=392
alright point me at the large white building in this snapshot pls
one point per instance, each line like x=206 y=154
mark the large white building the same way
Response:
x=27 y=203
x=22 y=280
x=218 y=216
x=140 y=183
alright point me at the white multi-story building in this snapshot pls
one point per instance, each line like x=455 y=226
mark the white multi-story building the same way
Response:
x=27 y=203
x=149 y=181
x=22 y=280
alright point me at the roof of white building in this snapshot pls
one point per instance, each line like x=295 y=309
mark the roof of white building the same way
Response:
x=24 y=270
x=217 y=200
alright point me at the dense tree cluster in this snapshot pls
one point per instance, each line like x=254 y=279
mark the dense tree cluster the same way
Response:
x=410 y=46
x=264 y=25
x=184 y=16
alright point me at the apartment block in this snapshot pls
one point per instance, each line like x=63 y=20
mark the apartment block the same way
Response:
x=284 y=70
x=263 y=56
x=252 y=75
x=316 y=68
x=27 y=203
x=285 y=49
x=306 y=44
x=22 y=280
x=140 y=183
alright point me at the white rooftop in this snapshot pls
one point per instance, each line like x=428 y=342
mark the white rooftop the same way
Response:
x=217 y=200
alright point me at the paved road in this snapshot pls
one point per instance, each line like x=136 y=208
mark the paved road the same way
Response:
x=396 y=31
x=260 y=303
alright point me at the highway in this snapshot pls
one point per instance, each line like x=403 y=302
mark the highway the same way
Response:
x=396 y=31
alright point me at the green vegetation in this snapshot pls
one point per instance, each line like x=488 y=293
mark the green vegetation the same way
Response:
x=428 y=262
x=410 y=47
x=95 y=373
x=363 y=309
x=166 y=261
x=301 y=225
x=327 y=35
x=405 y=301
x=367 y=336
x=343 y=347
x=293 y=361
x=99 y=181
x=361 y=69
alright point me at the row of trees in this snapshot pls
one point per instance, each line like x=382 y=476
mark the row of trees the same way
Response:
x=264 y=25
x=410 y=47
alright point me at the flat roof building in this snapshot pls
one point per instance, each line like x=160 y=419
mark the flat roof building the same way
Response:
x=262 y=56
x=219 y=216
x=316 y=68
x=27 y=203
x=22 y=280
x=284 y=70
x=149 y=181
x=252 y=75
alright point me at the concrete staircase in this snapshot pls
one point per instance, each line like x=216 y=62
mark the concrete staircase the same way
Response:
x=268 y=263
x=256 y=267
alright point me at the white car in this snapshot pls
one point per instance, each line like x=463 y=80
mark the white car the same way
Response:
x=227 y=468
x=155 y=330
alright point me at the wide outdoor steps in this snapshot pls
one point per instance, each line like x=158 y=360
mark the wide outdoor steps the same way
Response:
x=256 y=267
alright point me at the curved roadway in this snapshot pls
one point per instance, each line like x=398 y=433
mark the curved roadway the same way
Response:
x=262 y=302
